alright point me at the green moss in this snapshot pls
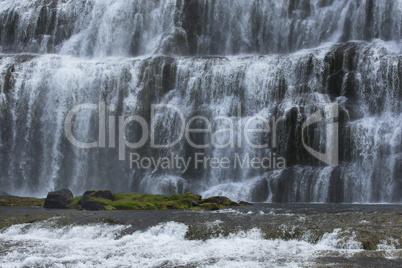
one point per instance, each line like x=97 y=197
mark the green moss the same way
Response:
x=218 y=201
x=16 y=201
x=133 y=201
x=130 y=201
x=243 y=203
x=132 y=204
x=103 y=200
x=108 y=207
x=74 y=201
x=193 y=196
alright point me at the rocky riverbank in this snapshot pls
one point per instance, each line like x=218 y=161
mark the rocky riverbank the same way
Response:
x=106 y=200
x=370 y=225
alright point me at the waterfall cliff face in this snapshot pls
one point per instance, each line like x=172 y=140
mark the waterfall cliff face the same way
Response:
x=225 y=61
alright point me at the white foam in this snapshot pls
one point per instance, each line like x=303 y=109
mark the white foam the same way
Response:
x=101 y=245
x=390 y=248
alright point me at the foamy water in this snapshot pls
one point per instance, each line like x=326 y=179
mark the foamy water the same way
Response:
x=102 y=245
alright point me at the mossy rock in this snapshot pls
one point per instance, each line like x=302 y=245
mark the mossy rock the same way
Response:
x=136 y=201
x=105 y=194
x=210 y=206
x=219 y=200
x=195 y=199
x=16 y=201
x=109 y=207
x=105 y=200
x=88 y=204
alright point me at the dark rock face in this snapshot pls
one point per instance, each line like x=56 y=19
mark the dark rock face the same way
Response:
x=221 y=200
x=58 y=199
x=105 y=194
x=195 y=199
x=216 y=202
x=87 y=204
x=260 y=191
x=244 y=203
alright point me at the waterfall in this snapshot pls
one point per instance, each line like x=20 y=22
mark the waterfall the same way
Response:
x=224 y=61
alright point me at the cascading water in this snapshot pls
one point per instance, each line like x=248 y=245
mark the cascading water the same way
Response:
x=235 y=59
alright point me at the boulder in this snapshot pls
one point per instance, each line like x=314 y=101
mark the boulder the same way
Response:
x=58 y=199
x=244 y=203
x=88 y=204
x=195 y=199
x=105 y=194
x=210 y=206
x=221 y=200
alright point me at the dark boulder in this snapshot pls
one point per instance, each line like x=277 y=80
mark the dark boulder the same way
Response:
x=58 y=199
x=244 y=203
x=88 y=204
x=221 y=200
x=210 y=206
x=105 y=194
x=195 y=199
x=260 y=191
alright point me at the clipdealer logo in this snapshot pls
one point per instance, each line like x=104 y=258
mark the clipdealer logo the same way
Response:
x=253 y=126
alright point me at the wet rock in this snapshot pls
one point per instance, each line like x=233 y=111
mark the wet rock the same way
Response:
x=105 y=194
x=260 y=191
x=216 y=202
x=369 y=245
x=210 y=206
x=58 y=199
x=177 y=43
x=221 y=200
x=195 y=199
x=244 y=203
x=88 y=204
